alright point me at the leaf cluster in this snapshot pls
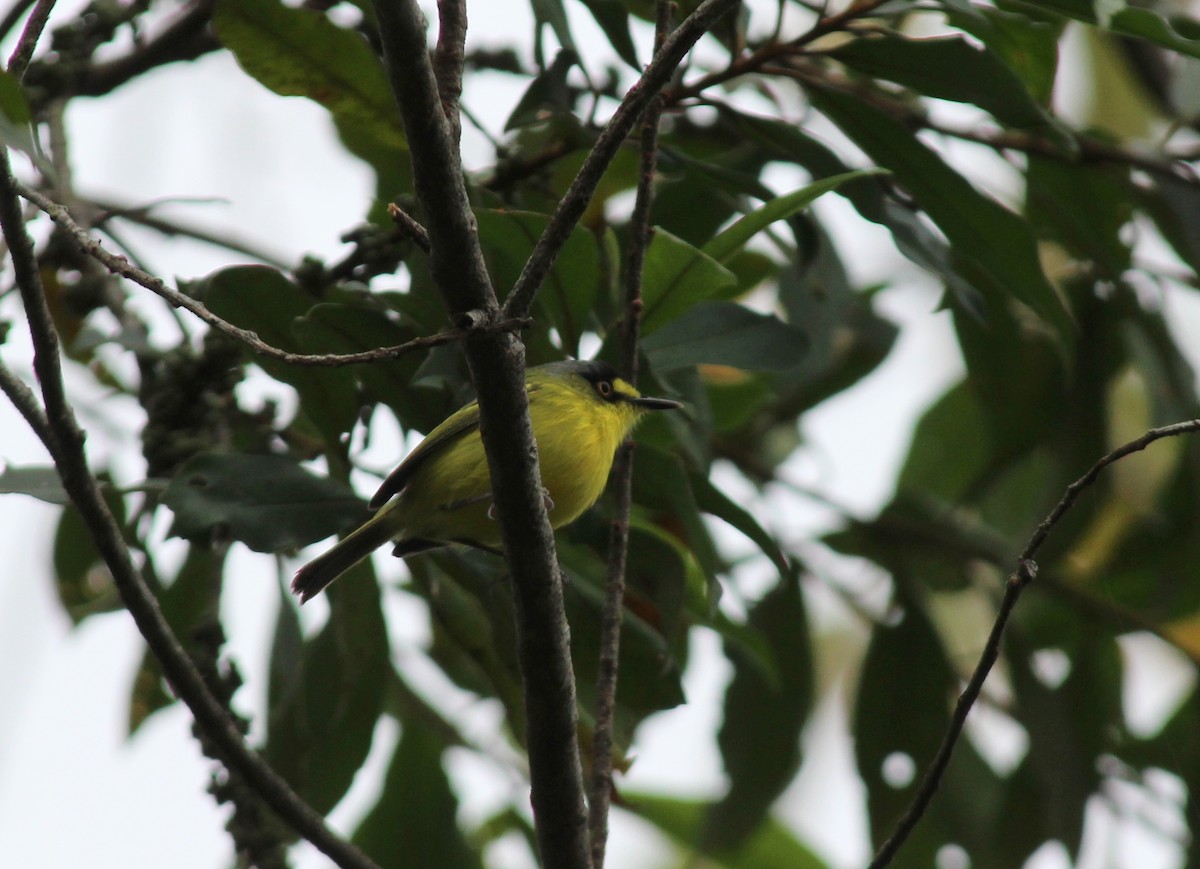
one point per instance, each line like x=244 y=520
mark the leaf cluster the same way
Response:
x=754 y=312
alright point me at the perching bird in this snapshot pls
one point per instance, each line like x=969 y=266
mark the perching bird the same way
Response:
x=441 y=494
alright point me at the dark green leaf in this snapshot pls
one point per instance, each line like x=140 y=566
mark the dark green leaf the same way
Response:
x=547 y=95
x=270 y=503
x=613 y=19
x=262 y=300
x=1086 y=208
x=414 y=821
x=185 y=603
x=760 y=735
x=772 y=846
x=730 y=241
x=992 y=246
x=724 y=333
x=905 y=670
x=947 y=68
x=40 y=481
x=83 y=581
x=568 y=294
x=1029 y=46
x=713 y=501
x=15 y=116
x=675 y=277
x=1179 y=34
x=300 y=52
x=327 y=695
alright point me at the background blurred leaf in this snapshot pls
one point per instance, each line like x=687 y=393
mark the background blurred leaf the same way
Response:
x=270 y=503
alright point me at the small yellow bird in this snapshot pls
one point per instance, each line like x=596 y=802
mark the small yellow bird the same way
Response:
x=441 y=494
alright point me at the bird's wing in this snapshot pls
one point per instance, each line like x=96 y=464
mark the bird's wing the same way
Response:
x=456 y=426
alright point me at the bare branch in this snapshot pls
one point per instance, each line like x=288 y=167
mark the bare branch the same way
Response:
x=1025 y=573
x=67 y=447
x=611 y=615
x=409 y=226
x=572 y=205
x=119 y=265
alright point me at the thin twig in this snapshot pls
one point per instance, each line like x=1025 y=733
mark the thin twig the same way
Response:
x=1024 y=575
x=618 y=544
x=13 y=16
x=119 y=265
x=18 y=61
x=409 y=226
x=26 y=403
x=67 y=447
x=574 y=202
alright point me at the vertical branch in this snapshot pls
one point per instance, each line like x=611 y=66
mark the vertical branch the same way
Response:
x=640 y=234
x=66 y=444
x=497 y=364
x=18 y=61
x=448 y=59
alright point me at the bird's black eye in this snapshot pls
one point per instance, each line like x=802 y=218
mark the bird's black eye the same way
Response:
x=604 y=388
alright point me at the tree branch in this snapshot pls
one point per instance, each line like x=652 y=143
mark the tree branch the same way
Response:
x=18 y=61
x=611 y=615
x=497 y=367
x=448 y=59
x=1025 y=573
x=67 y=447
x=574 y=202
x=119 y=265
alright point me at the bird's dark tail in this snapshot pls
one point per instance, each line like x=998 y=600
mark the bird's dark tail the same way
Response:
x=312 y=578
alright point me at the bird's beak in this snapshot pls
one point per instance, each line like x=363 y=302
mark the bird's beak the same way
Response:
x=647 y=403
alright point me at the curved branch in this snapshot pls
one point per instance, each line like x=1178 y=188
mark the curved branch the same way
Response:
x=1025 y=573
x=67 y=447
x=119 y=265
x=18 y=61
x=574 y=202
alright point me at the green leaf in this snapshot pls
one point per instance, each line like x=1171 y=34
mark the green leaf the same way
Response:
x=270 y=503
x=15 y=116
x=1028 y=45
x=547 y=96
x=992 y=246
x=81 y=577
x=413 y=823
x=1177 y=33
x=730 y=241
x=947 y=68
x=724 y=333
x=713 y=501
x=39 y=481
x=262 y=300
x=325 y=710
x=613 y=19
x=185 y=603
x=675 y=276
x=772 y=846
x=342 y=328
x=760 y=734
x=300 y=52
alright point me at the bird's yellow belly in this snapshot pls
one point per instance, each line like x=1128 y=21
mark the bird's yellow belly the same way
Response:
x=455 y=504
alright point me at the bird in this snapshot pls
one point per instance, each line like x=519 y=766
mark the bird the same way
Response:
x=440 y=495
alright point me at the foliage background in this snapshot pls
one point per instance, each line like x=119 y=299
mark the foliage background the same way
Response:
x=846 y=466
